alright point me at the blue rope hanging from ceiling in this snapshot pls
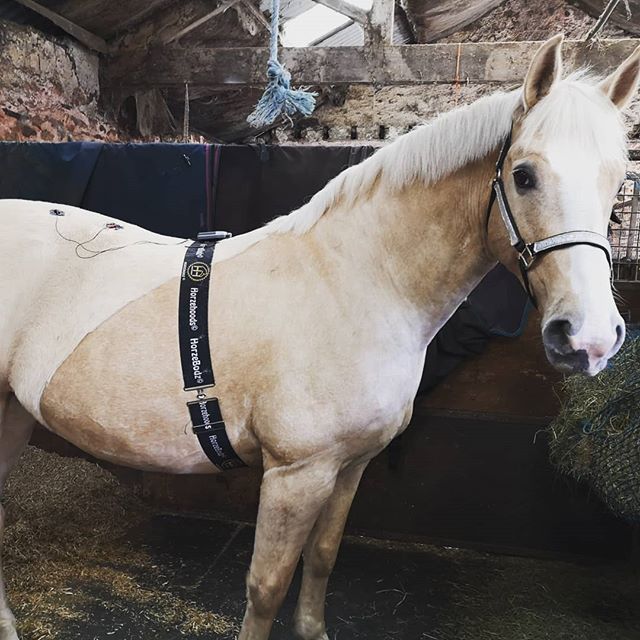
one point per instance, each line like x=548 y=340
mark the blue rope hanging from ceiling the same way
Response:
x=279 y=99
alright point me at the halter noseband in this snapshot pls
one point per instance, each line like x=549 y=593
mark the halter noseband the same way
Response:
x=529 y=251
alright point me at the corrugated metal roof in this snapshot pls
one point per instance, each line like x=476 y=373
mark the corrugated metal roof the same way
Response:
x=352 y=35
x=349 y=35
x=288 y=8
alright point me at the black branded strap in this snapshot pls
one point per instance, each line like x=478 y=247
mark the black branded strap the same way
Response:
x=211 y=432
x=193 y=317
x=195 y=354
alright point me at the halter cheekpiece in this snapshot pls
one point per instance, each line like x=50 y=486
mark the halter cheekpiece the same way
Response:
x=528 y=252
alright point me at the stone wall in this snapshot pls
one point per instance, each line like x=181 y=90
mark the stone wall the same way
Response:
x=49 y=89
x=368 y=113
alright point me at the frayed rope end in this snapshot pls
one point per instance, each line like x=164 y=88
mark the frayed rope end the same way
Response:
x=279 y=99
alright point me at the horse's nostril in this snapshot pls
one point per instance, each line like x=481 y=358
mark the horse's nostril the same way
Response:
x=556 y=335
x=619 y=332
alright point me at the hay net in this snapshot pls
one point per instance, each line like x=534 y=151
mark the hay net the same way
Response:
x=596 y=436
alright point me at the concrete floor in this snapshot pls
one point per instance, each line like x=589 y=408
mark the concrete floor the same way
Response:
x=87 y=561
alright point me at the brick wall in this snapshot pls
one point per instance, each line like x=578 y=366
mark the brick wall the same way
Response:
x=49 y=89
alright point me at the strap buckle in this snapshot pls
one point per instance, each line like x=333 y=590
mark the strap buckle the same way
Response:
x=213 y=236
x=527 y=257
x=205 y=414
x=199 y=429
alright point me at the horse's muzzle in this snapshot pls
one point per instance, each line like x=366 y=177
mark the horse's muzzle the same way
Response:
x=574 y=350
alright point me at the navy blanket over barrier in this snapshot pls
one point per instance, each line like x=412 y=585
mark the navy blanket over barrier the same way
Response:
x=181 y=189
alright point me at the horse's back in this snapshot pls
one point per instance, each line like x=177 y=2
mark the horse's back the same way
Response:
x=61 y=277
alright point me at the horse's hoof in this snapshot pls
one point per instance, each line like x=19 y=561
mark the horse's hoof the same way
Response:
x=8 y=630
x=302 y=633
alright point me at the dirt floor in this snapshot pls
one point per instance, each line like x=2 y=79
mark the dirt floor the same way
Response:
x=86 y=560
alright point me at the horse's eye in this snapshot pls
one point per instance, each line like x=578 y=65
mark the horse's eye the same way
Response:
x=524 y=179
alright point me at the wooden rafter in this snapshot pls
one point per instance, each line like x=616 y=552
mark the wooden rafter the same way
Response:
x=432 y=20
x=87 y=38
x=630 y=23
x=256 y=13
x=221 y=8
x=135 y=18
x=477 y=62
x=377 y=22
x=380 y=28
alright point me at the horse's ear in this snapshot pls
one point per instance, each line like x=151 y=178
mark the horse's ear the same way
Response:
x=622 y=84
x=544 y=71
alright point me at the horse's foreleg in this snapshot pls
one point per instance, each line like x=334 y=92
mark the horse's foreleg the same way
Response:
x=16 y=426
x=320 y=554
x=291 y=498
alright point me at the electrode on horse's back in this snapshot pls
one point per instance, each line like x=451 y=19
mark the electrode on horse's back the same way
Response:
x=195 y=355
x=213 y=236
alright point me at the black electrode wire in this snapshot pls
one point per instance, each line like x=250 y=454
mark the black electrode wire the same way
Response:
x=95 y=252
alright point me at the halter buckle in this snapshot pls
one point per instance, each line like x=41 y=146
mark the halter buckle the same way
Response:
x=527 y=257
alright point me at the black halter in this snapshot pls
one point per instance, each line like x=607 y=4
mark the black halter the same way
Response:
x=529 y=251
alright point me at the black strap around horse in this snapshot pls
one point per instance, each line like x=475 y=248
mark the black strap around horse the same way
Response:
x=528 y=252
x=195 y=354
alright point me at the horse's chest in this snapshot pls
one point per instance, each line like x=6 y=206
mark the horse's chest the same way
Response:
x=355 y=408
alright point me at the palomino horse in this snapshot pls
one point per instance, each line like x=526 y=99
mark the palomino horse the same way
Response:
x=319 y=322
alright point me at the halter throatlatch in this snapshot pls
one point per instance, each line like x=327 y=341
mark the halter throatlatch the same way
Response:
x=528 y=252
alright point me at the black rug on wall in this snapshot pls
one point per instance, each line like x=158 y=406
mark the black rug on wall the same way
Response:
x=181 y=189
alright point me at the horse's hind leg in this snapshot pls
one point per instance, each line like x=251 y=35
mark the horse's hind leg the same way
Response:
x=291 y=497
x=320 y=554
x=16 y=426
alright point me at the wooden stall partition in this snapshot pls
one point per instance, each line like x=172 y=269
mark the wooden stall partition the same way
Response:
x=471 y=470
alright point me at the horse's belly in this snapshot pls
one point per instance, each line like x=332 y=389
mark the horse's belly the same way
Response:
x=119 y=395
x=159 y=447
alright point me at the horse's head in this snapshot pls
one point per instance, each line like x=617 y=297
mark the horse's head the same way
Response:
x=561 y=172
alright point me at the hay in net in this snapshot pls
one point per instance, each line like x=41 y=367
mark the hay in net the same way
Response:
x=596 y=436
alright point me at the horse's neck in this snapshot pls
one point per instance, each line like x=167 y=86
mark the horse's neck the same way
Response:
x=421 y=247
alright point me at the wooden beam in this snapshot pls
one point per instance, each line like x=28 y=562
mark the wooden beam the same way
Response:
x=379 y=29
x=478 y=63
x=346 y=9
x=221 y=8
x=144 y=14
x=257 y=14
x=629 y=23
x=87 y=38
x=288 y=8
x=433 y=20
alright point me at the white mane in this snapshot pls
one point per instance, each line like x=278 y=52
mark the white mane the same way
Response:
x=452 y=140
